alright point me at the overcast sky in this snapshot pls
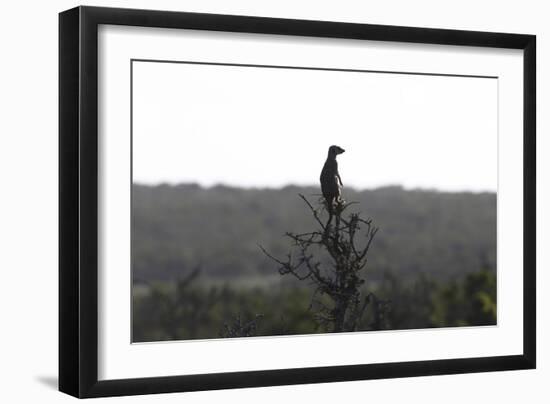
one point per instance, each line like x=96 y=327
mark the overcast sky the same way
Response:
x=258 y=127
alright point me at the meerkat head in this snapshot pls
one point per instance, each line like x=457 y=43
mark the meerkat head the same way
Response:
x=335 y=150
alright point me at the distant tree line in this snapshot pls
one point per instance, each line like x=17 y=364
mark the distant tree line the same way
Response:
x=176 y=228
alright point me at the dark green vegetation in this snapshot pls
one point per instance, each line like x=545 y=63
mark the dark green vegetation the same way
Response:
x=178 y=311
x=433 y=260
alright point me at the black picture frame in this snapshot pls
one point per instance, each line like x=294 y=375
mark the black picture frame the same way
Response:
x=78 y=201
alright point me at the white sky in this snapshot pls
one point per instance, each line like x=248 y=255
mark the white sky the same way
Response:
x=249 y=126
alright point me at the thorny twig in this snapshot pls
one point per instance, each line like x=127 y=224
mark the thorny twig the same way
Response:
x=339 y=279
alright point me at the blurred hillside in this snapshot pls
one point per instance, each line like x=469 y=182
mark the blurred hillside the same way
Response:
x=178 y=228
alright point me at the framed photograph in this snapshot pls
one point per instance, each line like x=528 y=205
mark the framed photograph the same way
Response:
x=250 y=201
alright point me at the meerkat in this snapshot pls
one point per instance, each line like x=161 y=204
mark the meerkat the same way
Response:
x=331 y=183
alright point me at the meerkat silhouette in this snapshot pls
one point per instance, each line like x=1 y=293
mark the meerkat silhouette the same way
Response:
x=331 y=183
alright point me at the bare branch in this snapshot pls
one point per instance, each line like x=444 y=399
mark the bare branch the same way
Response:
x=315 y=214
x=340 y=281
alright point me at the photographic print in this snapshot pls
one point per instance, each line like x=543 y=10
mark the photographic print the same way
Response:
x=276 y=200
x=248 y=201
